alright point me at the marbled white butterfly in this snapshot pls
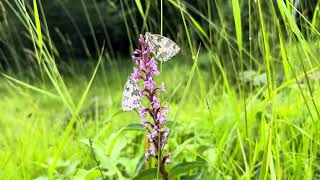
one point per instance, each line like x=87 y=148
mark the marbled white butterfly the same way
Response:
x=163 y=47
x=131 y=98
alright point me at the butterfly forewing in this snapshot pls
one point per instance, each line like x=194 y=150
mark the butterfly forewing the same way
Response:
x=131 y=98
x=163 y=47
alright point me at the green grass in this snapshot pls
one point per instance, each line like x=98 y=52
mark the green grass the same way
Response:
x=64 y=121
x=33 y=126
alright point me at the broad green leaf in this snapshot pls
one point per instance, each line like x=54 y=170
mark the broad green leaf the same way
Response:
x=83 y=174
x=140 y=164
x=71 y=168
x=134 y=126
x=146 y=174
x=118 y=146
x=185 y=168
x=169 y=123
x=108 y=161
x=42 y=178
x=198 y=176
x=112 y=116
x=111 y=165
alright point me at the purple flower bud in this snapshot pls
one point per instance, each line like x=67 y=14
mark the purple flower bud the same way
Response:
x=142 y=114
x=165 y=134
x=137 y=51
x=144 y=122
x=142 y=65
x=142 y=41
x=135 y=75
x=153 y=65
x=146 y=51
x=161 y=116
x=156 y=72
x=142 y=94
x=153 y=150
x=162 y=119
x=136 y=58
x=155 y=102
x=149 y=84
x=143 y=111
x=154 y=132
x=149 y=137
x=168 y=158
x=147 y=154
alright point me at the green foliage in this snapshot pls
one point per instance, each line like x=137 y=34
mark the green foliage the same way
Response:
x=147 y=174
x=63 y=120
x=185 y=168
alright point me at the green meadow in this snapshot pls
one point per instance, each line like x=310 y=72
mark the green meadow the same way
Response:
x=243 y=92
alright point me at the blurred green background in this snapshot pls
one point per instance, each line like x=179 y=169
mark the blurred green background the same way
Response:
x=243 y=91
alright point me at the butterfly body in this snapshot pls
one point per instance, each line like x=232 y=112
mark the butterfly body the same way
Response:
x=131 y=98
x=163 y=47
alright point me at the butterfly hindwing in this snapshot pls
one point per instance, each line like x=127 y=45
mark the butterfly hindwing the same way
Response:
x=163 y=47
x=131 y=98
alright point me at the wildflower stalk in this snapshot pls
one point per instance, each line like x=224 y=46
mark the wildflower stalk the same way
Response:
x=153 y=115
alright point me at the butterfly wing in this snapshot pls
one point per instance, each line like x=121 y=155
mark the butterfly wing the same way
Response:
x=131 y=98
x=163 y=47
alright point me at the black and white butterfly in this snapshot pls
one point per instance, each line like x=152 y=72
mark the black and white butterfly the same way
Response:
x=131 y=98
x=163 y=47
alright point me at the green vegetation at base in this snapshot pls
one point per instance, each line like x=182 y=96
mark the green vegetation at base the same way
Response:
x=244 y=103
